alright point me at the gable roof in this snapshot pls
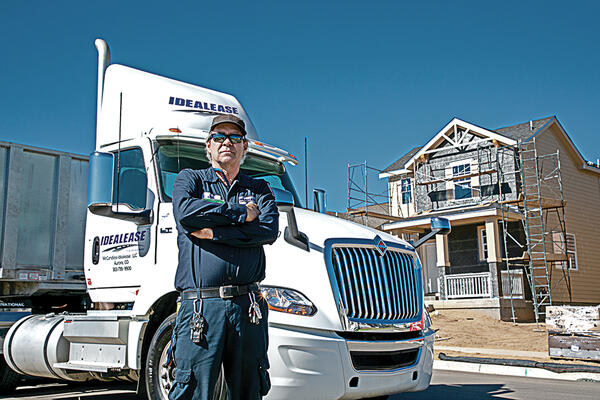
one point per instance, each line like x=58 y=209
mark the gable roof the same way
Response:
x=586 y=165
x=452 y=126
x=509 y=134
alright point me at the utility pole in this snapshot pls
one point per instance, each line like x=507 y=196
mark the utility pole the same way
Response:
x=305 y=173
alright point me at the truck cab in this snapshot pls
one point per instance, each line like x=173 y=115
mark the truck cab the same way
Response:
x=346 y=318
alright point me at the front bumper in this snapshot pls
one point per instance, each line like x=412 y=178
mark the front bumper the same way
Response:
x=316 y=364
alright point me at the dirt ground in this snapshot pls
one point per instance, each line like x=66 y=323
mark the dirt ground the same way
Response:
x=466 y=329
x=458 y=328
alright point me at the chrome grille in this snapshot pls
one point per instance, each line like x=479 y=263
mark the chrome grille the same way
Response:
x=374 y=287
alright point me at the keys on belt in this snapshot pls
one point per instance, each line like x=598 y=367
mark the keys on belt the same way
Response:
x=197 y=323
x=254 y=313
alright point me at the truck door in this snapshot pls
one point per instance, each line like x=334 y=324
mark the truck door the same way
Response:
x=122 y=249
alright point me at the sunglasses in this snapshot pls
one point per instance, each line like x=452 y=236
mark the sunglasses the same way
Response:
x=221 y=137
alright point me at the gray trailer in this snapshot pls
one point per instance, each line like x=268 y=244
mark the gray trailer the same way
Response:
x=43 y=200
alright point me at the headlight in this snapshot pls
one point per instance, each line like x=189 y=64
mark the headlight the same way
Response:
x=288 y=301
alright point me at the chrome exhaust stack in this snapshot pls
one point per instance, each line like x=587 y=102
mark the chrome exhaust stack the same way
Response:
x=103 y=63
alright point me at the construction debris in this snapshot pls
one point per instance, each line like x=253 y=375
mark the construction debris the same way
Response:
x=574 y=332
x=571 y=319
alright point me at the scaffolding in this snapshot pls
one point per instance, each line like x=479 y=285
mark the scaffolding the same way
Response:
x=364 y=206
x=541 y=207
x=527 y=188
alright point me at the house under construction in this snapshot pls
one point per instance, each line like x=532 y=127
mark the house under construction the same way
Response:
x=524 y=206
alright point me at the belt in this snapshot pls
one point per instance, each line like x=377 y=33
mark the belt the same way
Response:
x=224 y=292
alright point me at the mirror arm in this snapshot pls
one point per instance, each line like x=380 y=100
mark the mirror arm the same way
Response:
x=291 y=234
x=426 y=238
x=439 y=226
x=145 y=217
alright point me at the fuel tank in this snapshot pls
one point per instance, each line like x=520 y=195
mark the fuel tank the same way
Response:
x=35 y=343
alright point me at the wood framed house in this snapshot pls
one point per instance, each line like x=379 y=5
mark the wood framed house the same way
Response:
x=524 y=207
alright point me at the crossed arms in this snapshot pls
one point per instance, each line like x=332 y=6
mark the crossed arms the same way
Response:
x=230 y=223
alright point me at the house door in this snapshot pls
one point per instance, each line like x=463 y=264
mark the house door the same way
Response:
x=430 y=268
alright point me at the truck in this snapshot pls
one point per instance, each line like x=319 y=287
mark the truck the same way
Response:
x=347 y=317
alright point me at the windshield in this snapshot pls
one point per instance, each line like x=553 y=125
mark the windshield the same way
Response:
x=173 y=156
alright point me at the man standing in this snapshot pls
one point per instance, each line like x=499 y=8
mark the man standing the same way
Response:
x=223 y=219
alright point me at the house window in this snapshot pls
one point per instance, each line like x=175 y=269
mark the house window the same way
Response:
x=406 y=191
x=569 y=248
x=482 y=243
x=462 y=187
x=572 y=251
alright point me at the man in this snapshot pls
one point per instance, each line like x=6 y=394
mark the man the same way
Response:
x=223 y=219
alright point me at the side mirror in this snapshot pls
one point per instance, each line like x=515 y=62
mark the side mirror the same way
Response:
x=104 y=192
x=439 y=226
x=320 y=200
x=100 y=179
x=285 y=203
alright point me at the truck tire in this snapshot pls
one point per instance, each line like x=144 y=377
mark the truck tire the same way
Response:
x=157 y=376
x=9 y=379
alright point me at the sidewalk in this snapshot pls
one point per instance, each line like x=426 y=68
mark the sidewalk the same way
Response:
x=498 y=369
x=495 y=352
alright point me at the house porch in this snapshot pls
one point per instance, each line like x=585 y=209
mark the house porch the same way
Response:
x=465 y=269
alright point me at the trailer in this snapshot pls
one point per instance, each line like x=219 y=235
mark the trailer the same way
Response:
x=43 y=196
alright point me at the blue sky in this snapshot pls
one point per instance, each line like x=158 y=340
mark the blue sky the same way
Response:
x=363 y=81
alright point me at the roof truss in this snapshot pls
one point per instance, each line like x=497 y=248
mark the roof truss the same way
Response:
x=458 y=134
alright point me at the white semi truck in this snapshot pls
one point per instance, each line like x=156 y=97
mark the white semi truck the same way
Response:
x=346 y=319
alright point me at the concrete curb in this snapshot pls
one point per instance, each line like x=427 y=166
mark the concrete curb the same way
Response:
x=495 y=352
x=512 y=371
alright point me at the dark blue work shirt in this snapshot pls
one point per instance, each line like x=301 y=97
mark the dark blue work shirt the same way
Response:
x=235 y=255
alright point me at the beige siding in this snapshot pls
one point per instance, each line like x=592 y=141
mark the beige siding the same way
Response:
x=398 y=209
x=581 y=189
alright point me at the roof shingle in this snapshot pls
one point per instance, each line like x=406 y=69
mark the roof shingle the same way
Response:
x=523 y=131
x=399 y=164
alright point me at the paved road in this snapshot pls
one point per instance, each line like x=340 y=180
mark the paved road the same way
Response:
x=75 y=391
x=446 y=385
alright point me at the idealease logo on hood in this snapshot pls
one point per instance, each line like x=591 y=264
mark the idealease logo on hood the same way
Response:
x=201 y=105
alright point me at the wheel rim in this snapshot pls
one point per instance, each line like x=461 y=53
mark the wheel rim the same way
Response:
x=165 y=379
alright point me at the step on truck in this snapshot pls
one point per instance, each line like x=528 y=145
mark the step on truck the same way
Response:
x=346 y=319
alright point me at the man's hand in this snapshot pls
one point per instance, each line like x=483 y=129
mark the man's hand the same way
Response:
x=252 y=212
x=204 y=233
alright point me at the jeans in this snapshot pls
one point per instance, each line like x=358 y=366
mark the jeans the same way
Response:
x=231 y=340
